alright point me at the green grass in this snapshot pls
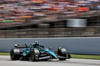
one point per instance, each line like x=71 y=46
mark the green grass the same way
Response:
x=96 y=57
x=2 y=53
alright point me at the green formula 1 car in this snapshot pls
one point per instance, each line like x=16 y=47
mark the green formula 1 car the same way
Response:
x=36 y=52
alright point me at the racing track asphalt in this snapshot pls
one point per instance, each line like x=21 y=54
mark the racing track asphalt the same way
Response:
x=5 y=61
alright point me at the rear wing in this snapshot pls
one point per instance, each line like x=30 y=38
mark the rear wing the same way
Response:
x=22 y=45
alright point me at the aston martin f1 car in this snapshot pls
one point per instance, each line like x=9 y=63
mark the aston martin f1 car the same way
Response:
x=37 y=52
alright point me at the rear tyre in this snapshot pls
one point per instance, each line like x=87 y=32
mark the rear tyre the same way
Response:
x=15 y=54
x=62 y=52
x=68 y=56
x=34 y=55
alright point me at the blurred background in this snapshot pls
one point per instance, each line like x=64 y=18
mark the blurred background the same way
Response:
x=49 y=18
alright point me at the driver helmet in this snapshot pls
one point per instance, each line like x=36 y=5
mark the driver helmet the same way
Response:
x=36 y=44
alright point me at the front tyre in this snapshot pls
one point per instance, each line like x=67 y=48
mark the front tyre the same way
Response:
x=62 y=52
x=34 y=55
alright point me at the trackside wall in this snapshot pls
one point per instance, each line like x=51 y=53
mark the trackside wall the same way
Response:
x=73 y=45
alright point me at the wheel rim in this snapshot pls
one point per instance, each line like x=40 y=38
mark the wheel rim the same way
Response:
x=32 y=55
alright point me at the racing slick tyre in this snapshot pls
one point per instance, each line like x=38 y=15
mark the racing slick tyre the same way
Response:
x=34 y=55
x=15 y=54
x=62 y=52
x=68 y=56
